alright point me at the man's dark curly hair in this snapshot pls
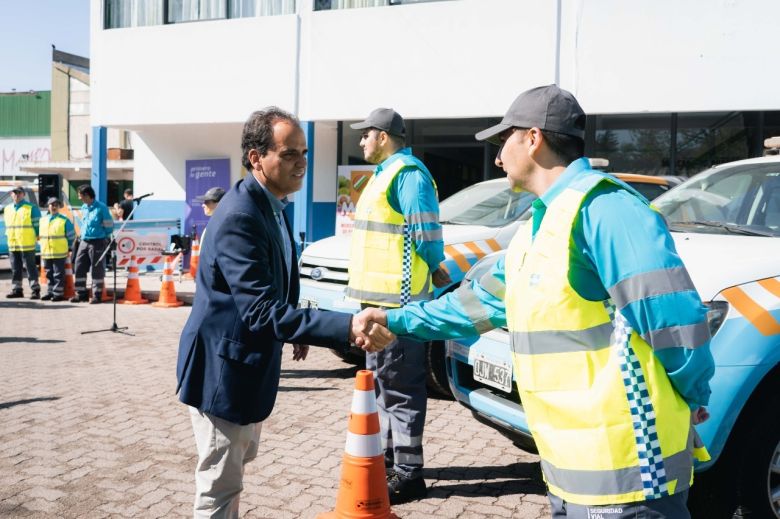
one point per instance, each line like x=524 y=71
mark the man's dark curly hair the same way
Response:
x=258 y=131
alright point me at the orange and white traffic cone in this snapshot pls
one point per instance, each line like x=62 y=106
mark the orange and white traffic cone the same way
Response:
x=194 y=259
x=70 y=281
x=167 y=290
x=363 y=491
x=133 y=287
x=42 y=279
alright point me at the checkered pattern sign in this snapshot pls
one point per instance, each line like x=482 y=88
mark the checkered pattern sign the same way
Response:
x=651 y=462
x=406 y=270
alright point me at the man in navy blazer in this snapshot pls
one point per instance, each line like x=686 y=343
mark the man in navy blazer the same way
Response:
x=245 y=309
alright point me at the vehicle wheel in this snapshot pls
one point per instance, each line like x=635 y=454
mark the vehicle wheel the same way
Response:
x=761 y=477
x=354 y=356
x=436 y=358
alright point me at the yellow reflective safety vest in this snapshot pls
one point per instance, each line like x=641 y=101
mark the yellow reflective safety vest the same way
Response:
x=609 y=426
x=384 y=268
x=19 y=227
x=54 y=240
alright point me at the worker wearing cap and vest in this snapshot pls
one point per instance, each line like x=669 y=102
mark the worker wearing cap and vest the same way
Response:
x=394 y=259
x=609 y=336
x=21 y=230
x=57 y=235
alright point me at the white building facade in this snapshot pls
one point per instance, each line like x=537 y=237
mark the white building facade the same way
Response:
x=670 y=87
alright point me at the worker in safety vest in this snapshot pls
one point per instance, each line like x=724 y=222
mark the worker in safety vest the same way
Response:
x=57 y=235
x=609 y=336
x=395 y=254
x=21 y=230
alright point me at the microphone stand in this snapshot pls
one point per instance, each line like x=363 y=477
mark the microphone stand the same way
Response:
x=112 y=247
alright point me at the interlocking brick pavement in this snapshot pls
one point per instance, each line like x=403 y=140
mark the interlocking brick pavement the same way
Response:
x=90 y=427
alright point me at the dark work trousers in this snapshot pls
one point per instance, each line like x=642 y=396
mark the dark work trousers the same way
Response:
x=55 y=273
x=669 y=507
x=87 y=256
x=24 y=260
x=402 y=399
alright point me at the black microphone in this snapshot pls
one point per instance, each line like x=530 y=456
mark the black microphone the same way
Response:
x=139 y=198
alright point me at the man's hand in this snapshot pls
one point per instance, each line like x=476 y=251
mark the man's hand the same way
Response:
x=300 y=351
x=440 y=278
x=369 y=330
x=700 y=415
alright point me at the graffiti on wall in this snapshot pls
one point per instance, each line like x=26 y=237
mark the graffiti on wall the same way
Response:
x=14 y=151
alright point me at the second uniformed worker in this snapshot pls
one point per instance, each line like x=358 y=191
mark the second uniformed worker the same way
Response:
x=56 y=235
x=396 y=250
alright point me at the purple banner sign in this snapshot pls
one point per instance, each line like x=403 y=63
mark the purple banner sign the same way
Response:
x=202 y=175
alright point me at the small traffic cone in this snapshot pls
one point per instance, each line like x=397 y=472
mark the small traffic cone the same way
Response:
x=167 y=290
x=194 y=258
x=363 y=491
x=42 y=279
x=133 y=287
x=70 y=281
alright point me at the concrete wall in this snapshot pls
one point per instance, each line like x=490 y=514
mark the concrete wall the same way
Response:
x=205 y=72
x=670 y=56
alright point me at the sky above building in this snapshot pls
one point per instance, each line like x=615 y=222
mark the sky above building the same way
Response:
x=28 y=29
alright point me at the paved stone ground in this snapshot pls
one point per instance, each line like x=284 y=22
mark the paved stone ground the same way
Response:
x=90 y=427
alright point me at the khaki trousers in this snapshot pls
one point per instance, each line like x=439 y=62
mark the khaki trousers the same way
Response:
x=223 y=450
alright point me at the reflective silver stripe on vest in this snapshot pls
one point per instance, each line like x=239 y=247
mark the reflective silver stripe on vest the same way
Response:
x=390 y=299
x=419 y=218
x=389 y=228
x=562 y=341
x=617 y=481
x=19 y=227
x=690 y=336
x=474 y=309
x=427 y=235
x=492 y=285
x=648 y=284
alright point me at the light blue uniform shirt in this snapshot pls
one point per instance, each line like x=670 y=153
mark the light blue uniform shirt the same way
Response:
x=412 y=194
x=617 y=237
x=96 y=222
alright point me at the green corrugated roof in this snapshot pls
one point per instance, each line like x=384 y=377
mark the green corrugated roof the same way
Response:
x=25 y=115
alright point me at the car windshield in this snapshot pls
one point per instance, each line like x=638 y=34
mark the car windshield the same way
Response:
x=650 y=191
x=492 y=204
x=742 y=199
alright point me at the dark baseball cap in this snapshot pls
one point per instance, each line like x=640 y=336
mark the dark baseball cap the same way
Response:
x=385 y=119
x=17 y=189
x=214 y=194
x=53 y=200
x=548 y=108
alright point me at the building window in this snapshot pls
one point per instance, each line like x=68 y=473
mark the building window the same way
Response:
x=326 y=5
x=249 y=8
x=133 y=13
x=192 y=10
x=137 y=13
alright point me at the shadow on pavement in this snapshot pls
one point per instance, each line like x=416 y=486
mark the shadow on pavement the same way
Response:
x=6 y=405
x=304 y=389
x=517 y=478
x=35 y=340
x=320 y=373
x=35 y=304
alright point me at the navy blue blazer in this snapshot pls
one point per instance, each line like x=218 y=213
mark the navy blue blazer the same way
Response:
x=230 y=348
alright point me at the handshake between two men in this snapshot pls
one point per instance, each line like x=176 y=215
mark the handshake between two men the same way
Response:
x=369 y=330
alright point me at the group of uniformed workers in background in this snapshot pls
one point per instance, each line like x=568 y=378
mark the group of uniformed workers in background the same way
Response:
x=56 y=233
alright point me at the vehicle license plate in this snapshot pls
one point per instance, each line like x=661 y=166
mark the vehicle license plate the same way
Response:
x=493 y=374
x=309 y=303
